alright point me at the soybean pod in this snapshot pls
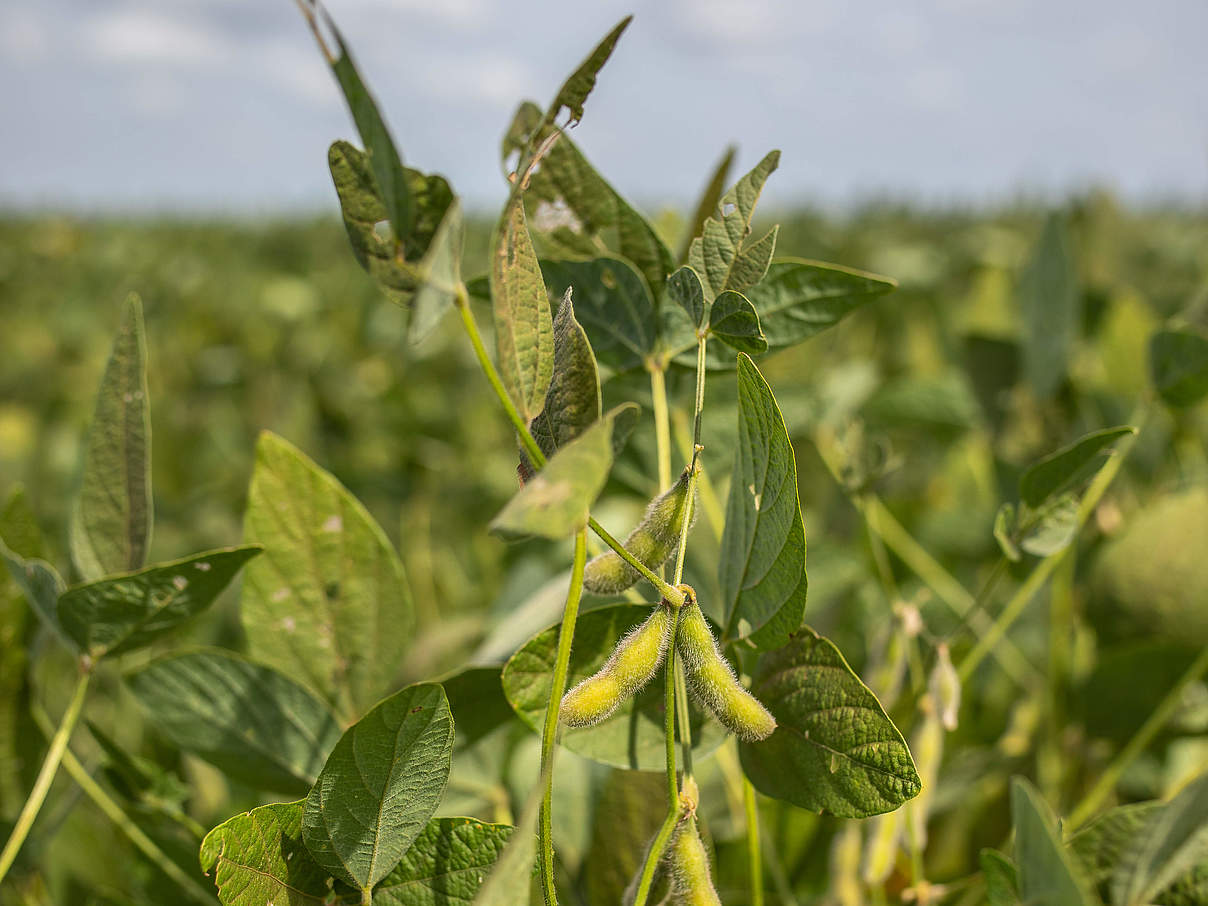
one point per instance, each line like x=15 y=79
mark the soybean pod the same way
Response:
x=631 y=665
x=652 y=543
x=688 y=866
x=712 y=680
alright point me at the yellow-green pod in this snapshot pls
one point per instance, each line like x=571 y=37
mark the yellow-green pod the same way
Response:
x=712 y=680
x=631 y=665
x=688 y=866
x=652 y=543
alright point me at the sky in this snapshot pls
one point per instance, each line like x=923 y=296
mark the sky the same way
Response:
x=226 y=106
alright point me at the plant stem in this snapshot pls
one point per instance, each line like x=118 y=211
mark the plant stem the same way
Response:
x=1049 y=761
x=662 y=423
x=754 y=858
x=118 y=816
x=366 y=896
x=549 y=734
x=462 y=302
x=50 y=766
x=1142 y=738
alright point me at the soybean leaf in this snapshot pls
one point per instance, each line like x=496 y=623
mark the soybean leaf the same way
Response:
x=762 y=569
x=477 y=702
x=111 y=519
x=258 y=857
x=722 y=256
x=1068 y=467
x=40 y=584
x=1051 y=528
x=622 y=826
x=576 y=212
x=554 y=503
x=572 y=403
x=613 y=304
x=1178 y=366
x=419 y=272
x=632 y=738
x=799 y=298
x=1002 y=878
x=578 y=86
x=1172 y=842
x=524 y=330
x=511 y=878
x=1047 y=876
x=385 y=162
x=124 y=612
x=448 y=863
x=328 y=603
x=381 y=784
x=256 y=724
x=834 y=749
x=1099 y=846
x=732 y=319
x=684 y=288
x=710 y=198
x=1050 y=304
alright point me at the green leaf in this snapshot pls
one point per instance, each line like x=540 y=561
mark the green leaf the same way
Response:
x=834 y=750
x=722 y=256
x=798 y=298
x=1050 y=303
x=40 y=584
x=1068 y=467
x=476 y=699
x=632 y=738
x=1050 y=529
x=578 y=86
x=1047 y=877
x=576 y=212
x=624 y=823
x=1004 y=532
x=384 y=159
x=328 y=603
x=111 y=519
x=710 y=198
x=524 y=330
x=511 y=878
x=762 y=569
x=613 y=304
x=1178 y=366
x=258 y=857
x=572 y=403
x=419 y=273
x=732 y=319
x=554 y=503
x=448 y=863
x=1172 y=843
x=1002 y=878
x=255 y=724
x=685 y=289
x=1099 y=846
x=381 y=784
x=124 y=612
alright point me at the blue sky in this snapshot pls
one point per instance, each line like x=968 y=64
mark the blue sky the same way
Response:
x=226 y=105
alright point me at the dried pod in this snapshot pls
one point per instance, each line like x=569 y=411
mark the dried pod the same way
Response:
x=631 y=665
x=712 y=680
x=652 y=543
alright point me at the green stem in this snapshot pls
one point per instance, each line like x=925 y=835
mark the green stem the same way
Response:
x=1158 y=718
x=754 y=858
x=118 y=816
x=50 y=766
x=1050 y=763
x=662 y=423
x=549 y=734
x=366 y=896
x=462 y=301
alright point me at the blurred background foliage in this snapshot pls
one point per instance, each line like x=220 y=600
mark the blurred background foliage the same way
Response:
x=929 y=398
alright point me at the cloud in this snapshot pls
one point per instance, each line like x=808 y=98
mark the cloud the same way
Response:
x=138 y=37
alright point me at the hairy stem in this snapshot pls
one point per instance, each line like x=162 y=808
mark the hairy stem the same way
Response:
x=46 y=776
x=549 y=734
x=1157 y=719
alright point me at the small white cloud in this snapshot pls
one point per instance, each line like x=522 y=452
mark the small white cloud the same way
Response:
x=142 y=36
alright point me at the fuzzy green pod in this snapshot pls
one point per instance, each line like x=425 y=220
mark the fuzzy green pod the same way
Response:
x=712 y=680
x=631 y=665
x=652 y=543
x=688 y=866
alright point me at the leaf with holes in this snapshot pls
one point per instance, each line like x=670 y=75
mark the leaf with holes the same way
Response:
x=381 y=784
x=834 y=749
x=124 y=612
x=255 y=724
x=328 y=603
x=762 y=568
x=111 y=519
